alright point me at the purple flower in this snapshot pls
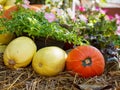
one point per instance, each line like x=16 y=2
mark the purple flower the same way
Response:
x=97 y=8
x=26 y=4
x=50 y=17
x=83 y=18
x=110 y=17
x=118 y=31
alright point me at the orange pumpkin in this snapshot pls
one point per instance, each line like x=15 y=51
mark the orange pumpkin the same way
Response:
x=85 y=60
x=7 y=13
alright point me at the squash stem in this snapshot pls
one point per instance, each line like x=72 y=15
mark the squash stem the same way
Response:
x=12 y=62
x=87 y=62
x=40 y=65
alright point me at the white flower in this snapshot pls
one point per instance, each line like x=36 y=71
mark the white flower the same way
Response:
x=27 y=2
x=55 y=0
x=60 y=12
x=1 y=8
x=25 y=6
x=83 y=18
x=70 y=13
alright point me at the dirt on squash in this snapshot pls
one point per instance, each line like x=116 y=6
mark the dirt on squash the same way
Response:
x=27 y=79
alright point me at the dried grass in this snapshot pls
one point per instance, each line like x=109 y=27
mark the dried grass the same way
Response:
x=27 y=79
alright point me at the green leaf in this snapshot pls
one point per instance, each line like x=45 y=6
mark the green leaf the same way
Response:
x=19 y=2
x=103 y=1
x=47 y=1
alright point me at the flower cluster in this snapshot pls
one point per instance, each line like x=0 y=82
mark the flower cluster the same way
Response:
x=76 y=24
x=91 y=24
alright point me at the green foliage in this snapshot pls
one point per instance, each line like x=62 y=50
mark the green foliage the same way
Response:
x=103 y=30
x=33 y=24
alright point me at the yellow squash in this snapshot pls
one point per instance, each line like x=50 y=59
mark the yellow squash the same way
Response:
x=49 y=61
x=6 y=38
x=19 y=52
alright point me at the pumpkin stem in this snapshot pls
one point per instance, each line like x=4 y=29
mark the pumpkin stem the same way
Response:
x=87 y=62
